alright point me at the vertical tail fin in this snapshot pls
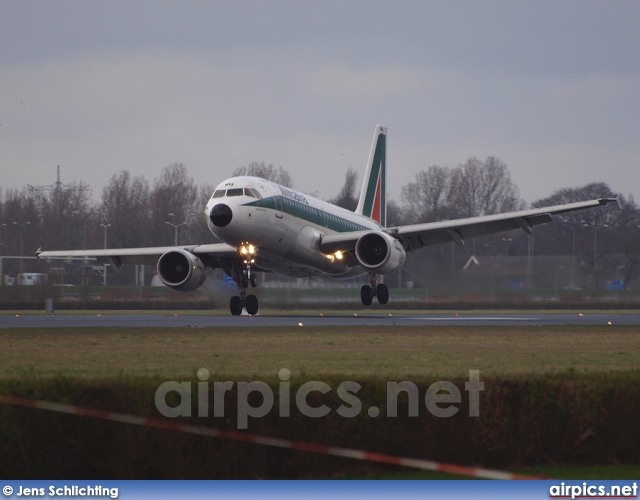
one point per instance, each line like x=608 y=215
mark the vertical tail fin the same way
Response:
x=373 y=199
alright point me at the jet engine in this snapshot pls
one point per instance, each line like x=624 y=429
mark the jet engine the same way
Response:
x=181 y=270
x=380 y=252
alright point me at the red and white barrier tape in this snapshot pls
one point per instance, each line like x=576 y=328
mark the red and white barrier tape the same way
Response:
x=366 y=456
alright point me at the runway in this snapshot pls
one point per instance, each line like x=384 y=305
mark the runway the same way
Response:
x=203 y=321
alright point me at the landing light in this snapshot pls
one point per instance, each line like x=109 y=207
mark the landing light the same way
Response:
x=334 y=256
x=248 y=249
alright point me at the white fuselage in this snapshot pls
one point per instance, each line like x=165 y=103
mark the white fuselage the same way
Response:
x=284 y=225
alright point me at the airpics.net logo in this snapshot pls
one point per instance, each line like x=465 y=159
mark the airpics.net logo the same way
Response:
x=587 y=490
x=442 y=399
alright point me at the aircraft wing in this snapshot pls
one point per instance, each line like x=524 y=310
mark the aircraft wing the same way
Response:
x=416 y=236
x=150 y=255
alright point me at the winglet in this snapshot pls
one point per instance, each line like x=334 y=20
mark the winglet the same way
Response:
x=617 y=199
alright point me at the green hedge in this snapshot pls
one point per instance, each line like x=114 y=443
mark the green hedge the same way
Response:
x=555 y=419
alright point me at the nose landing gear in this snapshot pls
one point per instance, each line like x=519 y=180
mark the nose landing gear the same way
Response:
x=244 y=277
x=250 y=302
x=374 y=289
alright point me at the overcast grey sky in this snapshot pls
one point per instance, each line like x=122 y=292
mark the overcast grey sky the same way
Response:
x=552 y=88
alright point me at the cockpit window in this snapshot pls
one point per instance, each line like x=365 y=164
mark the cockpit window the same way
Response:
x=253 y=193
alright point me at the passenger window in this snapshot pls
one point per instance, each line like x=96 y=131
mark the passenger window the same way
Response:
x=219 y=193
x=235 y=192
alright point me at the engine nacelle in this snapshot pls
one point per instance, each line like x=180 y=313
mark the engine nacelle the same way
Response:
x=380 y=252
x=181 y=270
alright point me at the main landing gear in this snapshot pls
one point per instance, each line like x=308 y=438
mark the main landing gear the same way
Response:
x=244 y=277
x=374 y=289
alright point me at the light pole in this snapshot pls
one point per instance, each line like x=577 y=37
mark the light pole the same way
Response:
x=595 y=251
x=558 y=268
x=175 y=229
x=506 y=246
x=175 y=234
x=572 y=224
x=618 y=268
x=2 y=243
x=105 y=226
x=573 y=256
x=104 y=273
x=22 y=226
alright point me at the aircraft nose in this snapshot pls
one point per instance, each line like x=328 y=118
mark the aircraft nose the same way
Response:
x=221 y=215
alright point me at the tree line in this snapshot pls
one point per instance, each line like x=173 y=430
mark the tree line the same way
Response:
x=134 y=212
x=606 y=239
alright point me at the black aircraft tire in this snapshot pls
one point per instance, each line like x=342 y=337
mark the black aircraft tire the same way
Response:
x=252 y=304
x=235 y=304
x=365 y=295
x=383 y=294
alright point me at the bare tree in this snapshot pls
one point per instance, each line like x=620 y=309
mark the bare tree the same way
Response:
x=125 y=205
x=54 y=215
x=626 y=237
x=348 y=197
x=269 y=172
x=197 y=230
x=21 y=208
x=426 y=199
x=63 y=212
x=483 y=188
x=174 y=192
x=602 y=238
x=473 y=189
x=395 y=214
x=575 y=234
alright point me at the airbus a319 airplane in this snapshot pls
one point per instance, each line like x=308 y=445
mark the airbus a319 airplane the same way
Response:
x=271 y=228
